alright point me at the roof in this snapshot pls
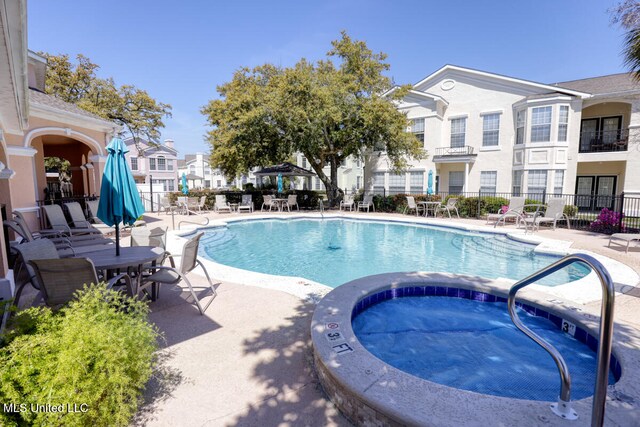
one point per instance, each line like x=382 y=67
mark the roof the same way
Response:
x=284 y=169
x=613 y=83
x=40 y=98
x=181 y=163
x=193 y=176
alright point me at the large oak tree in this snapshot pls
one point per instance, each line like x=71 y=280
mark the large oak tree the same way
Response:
x=134 y=109
x=325 y=110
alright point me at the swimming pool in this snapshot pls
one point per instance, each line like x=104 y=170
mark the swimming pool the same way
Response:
x=335 y=251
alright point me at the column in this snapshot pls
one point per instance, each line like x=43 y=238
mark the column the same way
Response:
x=466 y=178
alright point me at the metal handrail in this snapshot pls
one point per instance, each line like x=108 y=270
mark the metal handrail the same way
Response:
x=563 y=407
x=189 y=212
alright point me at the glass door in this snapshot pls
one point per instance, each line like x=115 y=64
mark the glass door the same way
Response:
x=588 y=134
x=605 y=190
x=611 y=129
x=584 y=188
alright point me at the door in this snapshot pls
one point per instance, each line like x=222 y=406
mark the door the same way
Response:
x=605 y=190
x=610 y=129
x=588 y=134
x=584 y=188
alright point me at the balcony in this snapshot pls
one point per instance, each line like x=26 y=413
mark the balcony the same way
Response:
x=462 y=154
x=604 y=141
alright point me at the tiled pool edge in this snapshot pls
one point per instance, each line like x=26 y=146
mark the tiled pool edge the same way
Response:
x=358 y=382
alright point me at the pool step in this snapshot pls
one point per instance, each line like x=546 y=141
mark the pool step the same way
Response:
x=492 y=246
x=217 y=238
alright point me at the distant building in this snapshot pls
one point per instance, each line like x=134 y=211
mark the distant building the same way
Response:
x=350 y=175
x=153 y=164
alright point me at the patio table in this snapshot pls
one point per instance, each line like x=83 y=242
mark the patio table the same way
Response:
x=280 y=203
x=429 y=206
x=131 y=258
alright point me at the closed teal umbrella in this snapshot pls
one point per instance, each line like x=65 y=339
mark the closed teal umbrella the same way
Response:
x=185 y=187
x=119 y=197
x=279 y=183
x=430 y=183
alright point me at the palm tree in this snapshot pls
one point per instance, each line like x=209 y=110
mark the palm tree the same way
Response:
x=627 y=15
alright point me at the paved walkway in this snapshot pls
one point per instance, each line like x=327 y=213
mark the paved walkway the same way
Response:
x=247 y=361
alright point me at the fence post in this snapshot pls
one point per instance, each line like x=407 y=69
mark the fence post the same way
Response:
x=544 y=196
x=621 y=212
x=151 y=188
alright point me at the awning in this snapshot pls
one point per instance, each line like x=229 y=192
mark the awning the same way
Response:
x=284 y=169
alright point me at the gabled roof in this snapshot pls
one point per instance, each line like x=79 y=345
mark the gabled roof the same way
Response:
x=146 y=146
x=418 y=93
x=284 y=169
x=613 y=83
x=543 y=88
x=51 y=102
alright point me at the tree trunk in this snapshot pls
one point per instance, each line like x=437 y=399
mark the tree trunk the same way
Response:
x=334 y=193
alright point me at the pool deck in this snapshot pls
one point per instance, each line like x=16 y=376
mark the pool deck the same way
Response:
x=248 y=361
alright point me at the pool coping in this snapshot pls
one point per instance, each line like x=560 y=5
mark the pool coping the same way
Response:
x=405 y=399
x=580 y=291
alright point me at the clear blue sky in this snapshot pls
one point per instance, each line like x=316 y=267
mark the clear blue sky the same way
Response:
x=180 y=51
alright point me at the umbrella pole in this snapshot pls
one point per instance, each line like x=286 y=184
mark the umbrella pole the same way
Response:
x=117 y=239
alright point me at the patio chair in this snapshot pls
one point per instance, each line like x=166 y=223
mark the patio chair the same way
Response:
x=192 y=203
x=182 y=204
x=449 y=206
x=267 y=201
x=347 y=202
x=553 y=214
x=366 y=203
x=61 y=278
x=626 y=237
x=79 y=221
x=221 y=204
x=57 y=221
x=23 y=273
x=202 y=204
x=156 y=237
x=166 y=205
x=514 y=210
x=292 y=200
x=173 y=276
x=246 y=204
x=411 y=205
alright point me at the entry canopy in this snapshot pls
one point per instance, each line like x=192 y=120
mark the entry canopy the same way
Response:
x=284 y=169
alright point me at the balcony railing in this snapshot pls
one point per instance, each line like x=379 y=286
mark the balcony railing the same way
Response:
x=465 y=150
x=604 y=141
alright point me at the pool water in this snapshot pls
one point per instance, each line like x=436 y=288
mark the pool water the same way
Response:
x=335 y=251
x=474 y=346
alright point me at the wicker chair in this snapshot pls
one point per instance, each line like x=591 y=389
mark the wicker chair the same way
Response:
x=173 y=276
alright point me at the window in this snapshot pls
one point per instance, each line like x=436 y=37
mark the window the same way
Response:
x=358 y=182
x=536 y=183
x=417 y=128
x=563 y=121
x=517 y=183
x=541 y=124
x=152 y=164
x=490 y=130
x=319 y=184
x=207 y=170
x=488 y=181
x=378 y=182
x=171 y=185
x=520 y=120
x=416 y=182
x=397 y=183
x=458 y=129
x=219 y=183
x=358 y=163
x=558 y=182
x=304 y=162
x=456 y=182
x=192 y=169
x=170 y=165
x=207 y=183
x=134 y=163
x=162 y=164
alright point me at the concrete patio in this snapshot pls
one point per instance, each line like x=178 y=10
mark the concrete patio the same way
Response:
x=248 y=360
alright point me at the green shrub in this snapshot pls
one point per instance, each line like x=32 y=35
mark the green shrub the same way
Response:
x=570 y=210
x=92 y=352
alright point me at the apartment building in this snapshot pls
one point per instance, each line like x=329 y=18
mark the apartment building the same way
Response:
x=200 y=174
x=489 y=133
x=153 y=163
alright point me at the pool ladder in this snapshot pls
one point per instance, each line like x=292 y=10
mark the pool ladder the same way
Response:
x=563 y=407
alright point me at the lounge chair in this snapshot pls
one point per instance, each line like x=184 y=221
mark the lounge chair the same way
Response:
x=451 y=205
x=79 y=220
x=173 y=276
x=246 y=204
x=221 y=204
x=292 y=200
x=93 y=211
x=411 y=205
x=267 y=201
x=627 y=237
x=514 y=210
x=61 y=278
x=60 y=241
x=553 y=214
x=193 y=203
x=366 y=203
x=347 y=202
x=202 y=207
x=57 y=221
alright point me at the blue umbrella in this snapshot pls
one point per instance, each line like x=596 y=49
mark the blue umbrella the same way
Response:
x=279 y=183
x=185 y=187
x=430 y=183
x=119 y=197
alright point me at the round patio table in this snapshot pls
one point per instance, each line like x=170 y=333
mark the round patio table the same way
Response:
x=131 y=257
